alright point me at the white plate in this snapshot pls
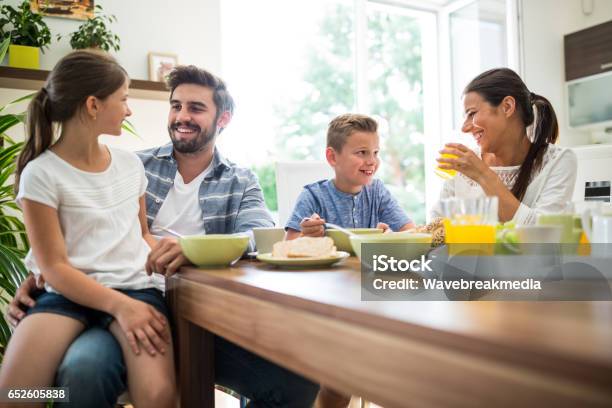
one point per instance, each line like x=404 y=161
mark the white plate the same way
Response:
x=301 y=262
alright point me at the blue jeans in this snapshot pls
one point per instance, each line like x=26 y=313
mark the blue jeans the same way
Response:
x=49 y=302
x=95 y=373
x=93 y=366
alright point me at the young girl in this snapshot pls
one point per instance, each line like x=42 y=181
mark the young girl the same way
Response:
x=84 y=211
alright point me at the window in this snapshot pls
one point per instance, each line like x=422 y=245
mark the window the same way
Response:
x=290 y=75
x=397 y=41
x=301 y=63
x=475 y=35
x=478 y=43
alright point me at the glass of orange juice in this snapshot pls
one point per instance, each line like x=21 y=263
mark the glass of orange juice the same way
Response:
x=446 y=173
x=471 y=221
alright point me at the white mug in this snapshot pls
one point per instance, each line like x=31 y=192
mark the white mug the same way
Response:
x=539 y=234
x=265 y=238
x=599 y=230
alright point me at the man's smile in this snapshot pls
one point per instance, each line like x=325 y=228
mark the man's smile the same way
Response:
x=185 y=129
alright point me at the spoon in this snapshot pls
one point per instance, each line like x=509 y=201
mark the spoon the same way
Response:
x=170 y=231
x=339 y=228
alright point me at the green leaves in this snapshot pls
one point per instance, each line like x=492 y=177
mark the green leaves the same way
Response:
x=8 y=121
x=4 y=45
x=13 y=239
x=26 y=27
x=12 y=272
x=94 y=33
x=16 y=101
x=128 y=127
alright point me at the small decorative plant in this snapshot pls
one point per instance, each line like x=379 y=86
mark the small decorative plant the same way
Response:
x=25 y=27
x=95 y=33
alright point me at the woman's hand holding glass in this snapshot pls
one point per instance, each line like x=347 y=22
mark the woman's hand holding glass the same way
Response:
x=458 y=157
x=144 y=325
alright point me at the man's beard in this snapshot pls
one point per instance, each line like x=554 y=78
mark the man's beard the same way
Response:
x=198 y=143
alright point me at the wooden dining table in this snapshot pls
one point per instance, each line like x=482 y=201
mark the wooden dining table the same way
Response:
x=393 y=353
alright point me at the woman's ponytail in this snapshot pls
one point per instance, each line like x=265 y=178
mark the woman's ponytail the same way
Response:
x=545 y=132
x=39 y=131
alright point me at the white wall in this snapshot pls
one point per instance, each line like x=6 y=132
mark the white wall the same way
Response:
x=191 y=29
x=188 y=28
x=544 y=23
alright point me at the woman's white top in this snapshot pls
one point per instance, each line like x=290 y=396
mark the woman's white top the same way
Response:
x=550 y=188
x=98 y=216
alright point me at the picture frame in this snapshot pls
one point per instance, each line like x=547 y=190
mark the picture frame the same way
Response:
x=160 y=65
x=75 y=10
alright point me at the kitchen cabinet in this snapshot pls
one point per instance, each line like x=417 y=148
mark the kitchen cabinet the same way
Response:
x=588 y=52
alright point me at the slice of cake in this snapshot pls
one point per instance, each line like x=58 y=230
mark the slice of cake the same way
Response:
x=304 y=247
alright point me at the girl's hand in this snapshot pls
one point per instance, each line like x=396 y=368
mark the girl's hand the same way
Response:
x=144 y=325
x=466 y=162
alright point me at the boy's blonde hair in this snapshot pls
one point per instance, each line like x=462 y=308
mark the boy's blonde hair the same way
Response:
x=341 y=127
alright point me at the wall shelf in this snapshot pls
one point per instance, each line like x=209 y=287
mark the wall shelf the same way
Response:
x=33 y=79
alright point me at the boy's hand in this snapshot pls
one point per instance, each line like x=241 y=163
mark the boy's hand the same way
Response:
x=384 y=227
x=313 y=226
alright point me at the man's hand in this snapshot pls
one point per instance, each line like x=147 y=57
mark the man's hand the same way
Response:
x=313 y=226
x=23 y=299
x=166 y=257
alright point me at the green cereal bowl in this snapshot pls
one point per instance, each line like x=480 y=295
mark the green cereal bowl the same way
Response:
x=341 y=240
x=407 y=252
x=215 y=249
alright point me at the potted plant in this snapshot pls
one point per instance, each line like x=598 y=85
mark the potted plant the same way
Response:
x=95 y=33
x=28 y=32
x=13 y=240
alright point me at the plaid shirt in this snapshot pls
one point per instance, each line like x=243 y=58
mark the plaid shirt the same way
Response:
x=230 y=196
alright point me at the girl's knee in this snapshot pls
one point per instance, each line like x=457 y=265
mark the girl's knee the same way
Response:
x=159 y=393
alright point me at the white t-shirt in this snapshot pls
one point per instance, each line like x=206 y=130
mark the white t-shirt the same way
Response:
x=181 y=209
x=98 y=215
x=549 y=189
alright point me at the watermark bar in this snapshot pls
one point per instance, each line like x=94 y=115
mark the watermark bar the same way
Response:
x=486 y=272
x=41 y=394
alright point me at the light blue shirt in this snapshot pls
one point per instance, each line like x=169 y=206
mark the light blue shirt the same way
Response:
x=373 y=204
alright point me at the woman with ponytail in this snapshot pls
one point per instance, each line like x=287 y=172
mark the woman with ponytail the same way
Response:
x=84 y=211
x=517 y=159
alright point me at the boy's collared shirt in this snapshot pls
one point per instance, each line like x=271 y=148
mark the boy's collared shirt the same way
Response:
x=230 y=196
x=373 y=204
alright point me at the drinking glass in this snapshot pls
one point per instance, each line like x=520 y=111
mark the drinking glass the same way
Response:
x=446 y=173
x=470 y=220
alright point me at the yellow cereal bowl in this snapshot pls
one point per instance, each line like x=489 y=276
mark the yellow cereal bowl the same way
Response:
x=406 y=252
x=215 y=249
x=341 y=240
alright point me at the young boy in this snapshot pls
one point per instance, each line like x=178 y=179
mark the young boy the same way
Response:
x=353 y=198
